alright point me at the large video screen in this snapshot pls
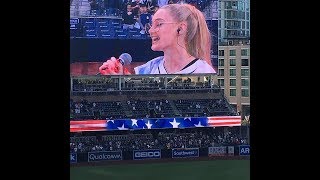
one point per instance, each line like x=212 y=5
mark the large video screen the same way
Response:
x=144 y=37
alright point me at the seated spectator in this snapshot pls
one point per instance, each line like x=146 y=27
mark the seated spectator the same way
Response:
x=155 y=9
x=145 y=19
x=112 y=7
x=135 y=4
x=150 y=4
x=94 y=6
x=128 y=18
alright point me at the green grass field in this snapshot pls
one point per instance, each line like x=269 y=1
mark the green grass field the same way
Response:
x=188 y=170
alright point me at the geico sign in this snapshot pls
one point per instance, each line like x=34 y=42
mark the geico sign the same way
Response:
x=147 y=154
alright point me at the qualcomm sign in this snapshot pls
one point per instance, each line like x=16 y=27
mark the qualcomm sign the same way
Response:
x=147 y=154
x=104 y=156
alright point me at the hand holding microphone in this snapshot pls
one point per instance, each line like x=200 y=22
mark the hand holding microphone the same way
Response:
x=114 y=66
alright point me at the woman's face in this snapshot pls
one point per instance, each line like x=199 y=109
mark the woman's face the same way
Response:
x=163 y=32
x=129 y=8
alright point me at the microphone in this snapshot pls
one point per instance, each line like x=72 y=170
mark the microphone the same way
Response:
x=124 y=59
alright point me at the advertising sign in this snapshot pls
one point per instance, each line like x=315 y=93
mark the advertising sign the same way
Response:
x=185 y=152
x=147 y=154
x=104 y=156
x=244 y=150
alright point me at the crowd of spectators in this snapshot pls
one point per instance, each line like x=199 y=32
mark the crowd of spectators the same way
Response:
x=101 y=7
x=146 y=97
x=122 y=19
x=108 y=84
x=157 y=139
x=135 y=107
x=136 y=14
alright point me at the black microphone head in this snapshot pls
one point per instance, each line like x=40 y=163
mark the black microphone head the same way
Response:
x=125 y=58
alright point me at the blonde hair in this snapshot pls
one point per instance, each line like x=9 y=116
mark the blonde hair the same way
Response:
x=198 y=37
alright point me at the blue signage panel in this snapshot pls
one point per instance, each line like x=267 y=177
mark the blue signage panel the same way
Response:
x=147 y=154
x=73 y=157
x=185 y=152
x=104 y=156
x=244 y=150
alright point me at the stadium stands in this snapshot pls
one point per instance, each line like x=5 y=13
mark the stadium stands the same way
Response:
x=157 y=139
x=102 y=21
x=100 y=97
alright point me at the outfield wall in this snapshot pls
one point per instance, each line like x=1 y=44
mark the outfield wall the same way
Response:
x=147 y=154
